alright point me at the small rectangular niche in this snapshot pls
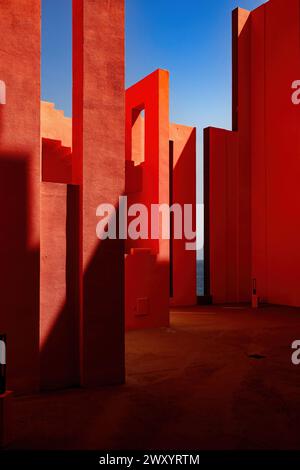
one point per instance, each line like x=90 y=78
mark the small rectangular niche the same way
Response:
x=138 y=136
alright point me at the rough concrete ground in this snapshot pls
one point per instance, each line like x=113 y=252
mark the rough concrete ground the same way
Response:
x=192 y=386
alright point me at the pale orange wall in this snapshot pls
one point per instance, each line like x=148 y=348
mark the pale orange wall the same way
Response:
x=55 y=125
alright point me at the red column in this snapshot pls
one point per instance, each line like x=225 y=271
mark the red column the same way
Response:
x=19 y=190
x=99 y=148
x=59 y=316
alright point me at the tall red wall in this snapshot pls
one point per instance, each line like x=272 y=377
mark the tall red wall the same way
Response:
x=183 y=263
x=19 y=190
x=266 y=62
x=99 y=169
x=82 y=315
x=59 y=303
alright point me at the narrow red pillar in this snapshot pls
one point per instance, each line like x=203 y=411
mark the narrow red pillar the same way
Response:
x=182 y=260
x=99 y=168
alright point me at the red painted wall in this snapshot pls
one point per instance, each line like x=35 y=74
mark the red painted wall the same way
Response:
x=147 y=275
x=56 y=162
x=82 y=315
x=223 y=207
x=266 y=62
x=59 y=303
x=146 y=290
x=80 y=304
x=151 y=179
x=99 y=168
x=55 y=125
x=276 y=199
x=19 y=190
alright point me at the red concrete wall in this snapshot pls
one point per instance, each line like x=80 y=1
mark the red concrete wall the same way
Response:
x=183 y=262
x=146 y=289
x=19 y=190
x=55 y=125
x=266 y=62
x=59 y=278
x=59 y=309
x=99 y=168
x=147 y=275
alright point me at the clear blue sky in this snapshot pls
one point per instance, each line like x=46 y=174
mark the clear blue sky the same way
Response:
x=190 y=38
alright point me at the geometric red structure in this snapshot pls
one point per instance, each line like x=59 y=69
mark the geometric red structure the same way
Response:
x=251 y=173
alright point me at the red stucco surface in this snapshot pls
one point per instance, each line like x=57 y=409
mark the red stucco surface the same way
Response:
x=19 y=190
x=253 y=172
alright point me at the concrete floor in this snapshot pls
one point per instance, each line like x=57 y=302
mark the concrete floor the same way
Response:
x=192 y=386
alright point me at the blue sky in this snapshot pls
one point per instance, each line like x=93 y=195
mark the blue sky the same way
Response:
x=190 y=38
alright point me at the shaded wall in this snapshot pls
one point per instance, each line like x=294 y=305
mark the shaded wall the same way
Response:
x=99 y=169
x=265 y=221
